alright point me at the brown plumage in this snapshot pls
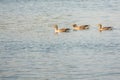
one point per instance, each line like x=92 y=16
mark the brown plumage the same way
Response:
x=82 y=27
x=60 y=30
x=101 y=28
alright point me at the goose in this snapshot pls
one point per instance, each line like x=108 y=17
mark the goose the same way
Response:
x=82 y=27
x=60 y=30
x=101 y=28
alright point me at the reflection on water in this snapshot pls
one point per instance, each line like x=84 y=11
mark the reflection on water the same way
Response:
x=30 y=50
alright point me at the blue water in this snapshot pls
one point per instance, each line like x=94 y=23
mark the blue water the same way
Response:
x=30 y=50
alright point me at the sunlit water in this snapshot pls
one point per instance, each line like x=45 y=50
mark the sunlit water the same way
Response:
x=30 y=50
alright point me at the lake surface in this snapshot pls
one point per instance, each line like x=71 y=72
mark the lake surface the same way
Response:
x=30 y=50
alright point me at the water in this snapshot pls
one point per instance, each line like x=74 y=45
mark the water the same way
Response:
x=30 y=50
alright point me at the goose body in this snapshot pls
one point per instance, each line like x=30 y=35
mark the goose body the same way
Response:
x=82 y=27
